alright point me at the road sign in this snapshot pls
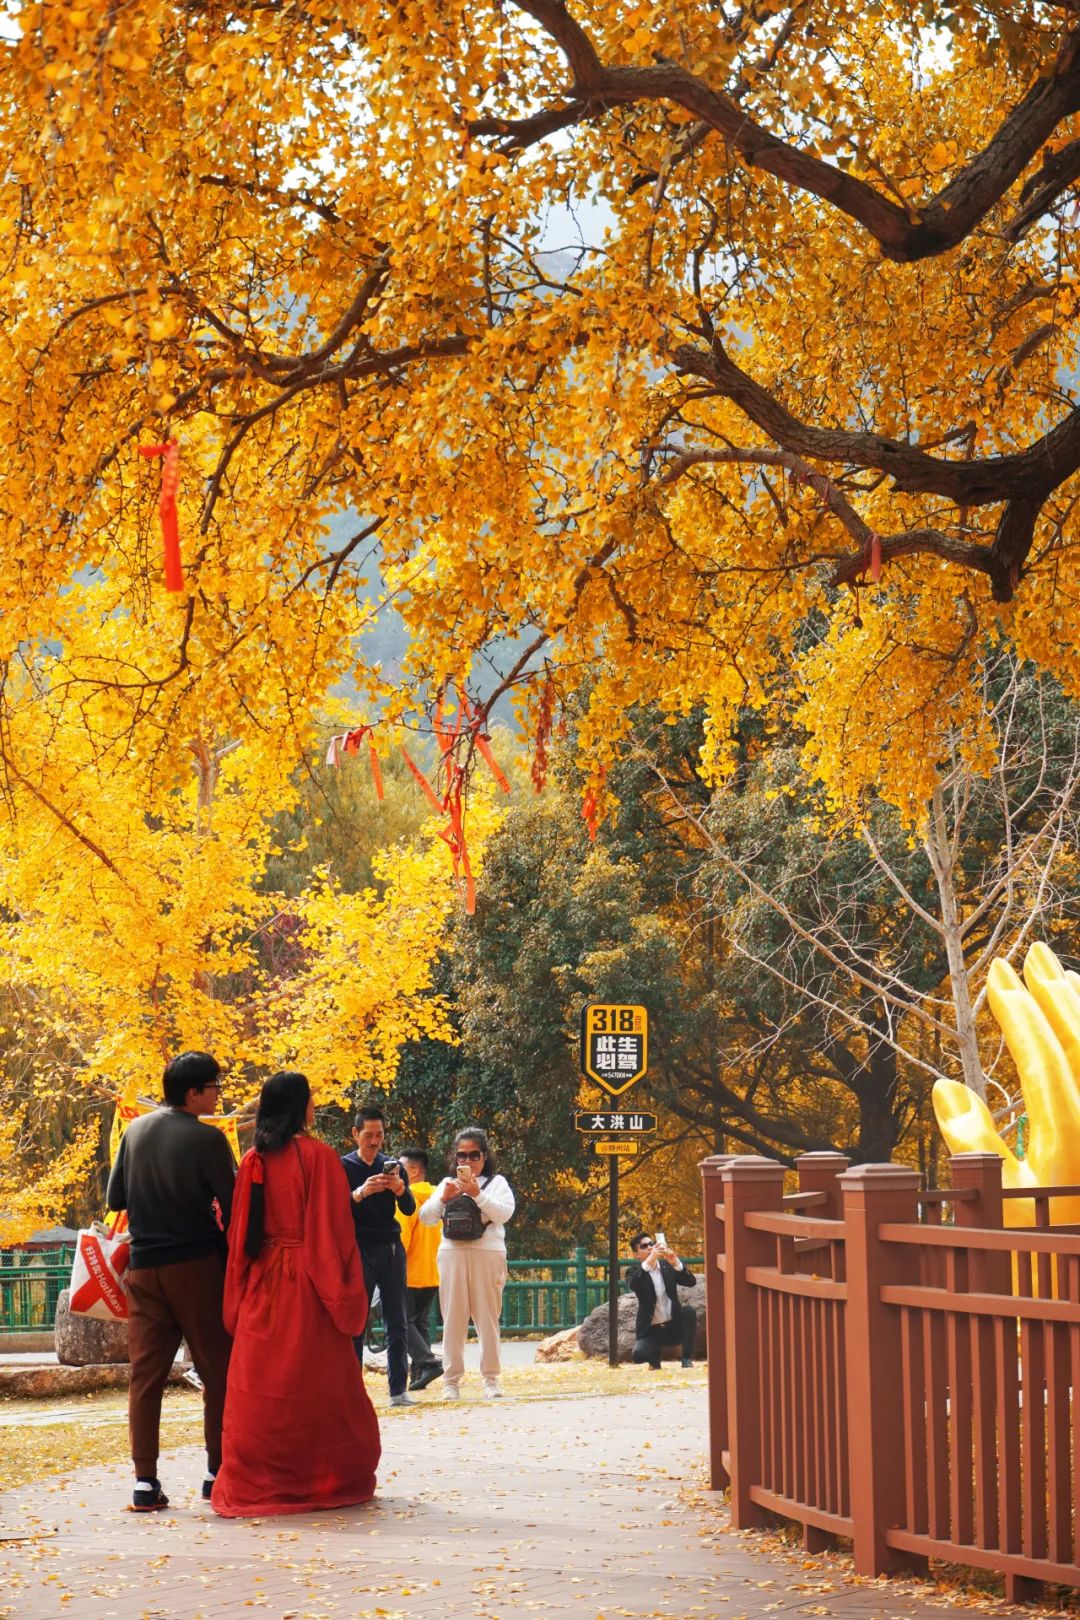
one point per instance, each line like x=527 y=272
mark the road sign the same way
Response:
x=610 y=1124
x=614 y=1045
x=619 y=1146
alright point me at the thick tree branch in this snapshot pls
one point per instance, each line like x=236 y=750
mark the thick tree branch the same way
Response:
x=1022 y=480
x=1001 y=561
x=1057 y=173
x=905 y=233
x=1030 y=473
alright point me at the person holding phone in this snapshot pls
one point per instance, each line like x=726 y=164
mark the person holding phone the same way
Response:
x=474 y=1204
x=661 y=1317
x=378 y=1192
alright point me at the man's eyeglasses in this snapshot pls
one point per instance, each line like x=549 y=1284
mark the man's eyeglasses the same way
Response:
x=472 y=1155
x=646 y=1243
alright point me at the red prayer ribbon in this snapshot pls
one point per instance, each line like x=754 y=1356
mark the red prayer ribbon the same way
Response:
x=170 y=525
x=451 y=804
x=590 y=806
x=422 y=782
x=349 y=743
x=483 y=743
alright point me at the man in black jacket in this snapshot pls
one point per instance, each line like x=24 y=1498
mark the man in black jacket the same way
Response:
x=378 y=1189
x=661 y=1318
x=175 y=1179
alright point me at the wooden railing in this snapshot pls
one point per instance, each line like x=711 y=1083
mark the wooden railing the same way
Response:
x=896 y=1367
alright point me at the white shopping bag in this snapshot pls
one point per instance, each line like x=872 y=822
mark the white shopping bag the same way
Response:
x=97 y=1274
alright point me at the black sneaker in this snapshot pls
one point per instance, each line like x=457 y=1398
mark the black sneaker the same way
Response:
x=427 y=1375
x=148 y=1496
x=208 y=1486
x=687 y=1362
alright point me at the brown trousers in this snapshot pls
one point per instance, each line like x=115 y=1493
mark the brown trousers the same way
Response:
x=167 y=1304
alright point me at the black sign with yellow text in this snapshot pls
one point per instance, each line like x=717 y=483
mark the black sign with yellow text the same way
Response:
x=614 y=1045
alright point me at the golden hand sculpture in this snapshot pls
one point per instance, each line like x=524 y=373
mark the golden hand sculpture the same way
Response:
x=1039 y=1017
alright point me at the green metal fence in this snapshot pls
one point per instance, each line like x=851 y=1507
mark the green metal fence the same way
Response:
x=541 y=1296
x=546 y=1296
x=30 y=1285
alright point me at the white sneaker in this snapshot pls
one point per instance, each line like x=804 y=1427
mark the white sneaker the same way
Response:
x=492 y=1392
x=451 y=1392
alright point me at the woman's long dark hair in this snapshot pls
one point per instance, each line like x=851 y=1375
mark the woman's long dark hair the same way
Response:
x=282 y=1113
x=473 y=1133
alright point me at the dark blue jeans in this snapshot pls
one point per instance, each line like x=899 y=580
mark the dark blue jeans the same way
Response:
x=384 y=1269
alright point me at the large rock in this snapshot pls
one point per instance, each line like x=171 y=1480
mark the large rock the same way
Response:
x=26 y=1383
x=83 y=1342
x=593 y=1333
x=560 y=1347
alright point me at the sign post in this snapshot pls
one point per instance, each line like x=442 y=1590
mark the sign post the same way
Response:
x=614 y=1054
x=613 y=1262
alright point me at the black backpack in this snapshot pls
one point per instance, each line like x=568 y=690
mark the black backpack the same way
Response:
x=462 y=1220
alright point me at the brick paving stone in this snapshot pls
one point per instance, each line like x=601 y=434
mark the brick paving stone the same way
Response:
x=560 y=1510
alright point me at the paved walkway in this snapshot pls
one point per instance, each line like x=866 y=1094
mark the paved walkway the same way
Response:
x=562 y=1509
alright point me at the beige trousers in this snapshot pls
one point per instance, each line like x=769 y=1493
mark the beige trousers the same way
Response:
x=471 y=1282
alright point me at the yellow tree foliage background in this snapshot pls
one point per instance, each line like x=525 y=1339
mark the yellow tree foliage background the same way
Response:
x=793 y=407
x=820 y=328
x=147 y=933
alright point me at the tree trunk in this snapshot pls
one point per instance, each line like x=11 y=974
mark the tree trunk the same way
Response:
x=936 y=841
x=876 y=1093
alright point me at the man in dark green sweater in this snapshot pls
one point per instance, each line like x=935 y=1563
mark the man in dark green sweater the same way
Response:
x=175 y=1179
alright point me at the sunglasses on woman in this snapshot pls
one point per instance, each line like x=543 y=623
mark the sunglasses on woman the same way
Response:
x=470 y=1155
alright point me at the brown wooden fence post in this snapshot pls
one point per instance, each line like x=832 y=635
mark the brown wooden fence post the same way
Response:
x=751 y=1185
x=875 y=1194
x=988 y=1273
x=820 y=1173
x=712 y=1193
x=981 y=1172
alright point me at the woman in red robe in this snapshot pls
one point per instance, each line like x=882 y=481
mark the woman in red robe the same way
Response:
x=300 y=1430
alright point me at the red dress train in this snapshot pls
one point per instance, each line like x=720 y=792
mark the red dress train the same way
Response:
x=300 y=1430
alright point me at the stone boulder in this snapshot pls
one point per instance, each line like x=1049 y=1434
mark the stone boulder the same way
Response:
x=560 y=1347
x=593 y=1333
x=26 y=1383
x=83 y=1342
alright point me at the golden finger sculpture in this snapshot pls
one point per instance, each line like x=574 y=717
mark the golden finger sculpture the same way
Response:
x=1039 y=1017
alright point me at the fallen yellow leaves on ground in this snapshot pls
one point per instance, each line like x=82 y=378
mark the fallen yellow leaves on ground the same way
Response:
x=95 y=1432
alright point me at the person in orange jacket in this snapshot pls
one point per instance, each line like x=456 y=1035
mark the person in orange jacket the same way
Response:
x=421 y=1272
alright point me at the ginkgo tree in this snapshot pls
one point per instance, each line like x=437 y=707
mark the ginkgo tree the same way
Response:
x=800 y=396
x=140 y=932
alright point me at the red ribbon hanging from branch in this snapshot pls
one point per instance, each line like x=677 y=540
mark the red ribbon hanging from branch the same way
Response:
x=453 y=835
x=452 y=804
x=170 y=525
x=422 y=782
x=348 y=742
x=483 y=743
x=468 y=726
x=590 y=805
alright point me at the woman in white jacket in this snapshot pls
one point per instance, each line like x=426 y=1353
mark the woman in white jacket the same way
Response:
x=474 y=1204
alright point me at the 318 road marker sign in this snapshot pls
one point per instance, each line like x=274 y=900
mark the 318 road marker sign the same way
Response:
x=614 y=1045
